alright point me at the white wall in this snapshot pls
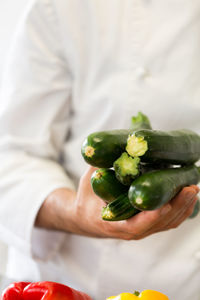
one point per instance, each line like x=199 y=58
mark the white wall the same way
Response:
x=10 y=12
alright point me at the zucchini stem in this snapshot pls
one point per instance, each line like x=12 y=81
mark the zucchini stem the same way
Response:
x=126 y=168
x=136 y=146
x=89 y=151
x=139 y=200
x=140 y=121
x=107 y=213
x=98 y=174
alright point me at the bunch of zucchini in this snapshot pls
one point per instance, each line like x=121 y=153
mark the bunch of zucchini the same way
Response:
x=140 y=168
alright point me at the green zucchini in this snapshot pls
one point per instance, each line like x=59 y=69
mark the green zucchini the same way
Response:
x=101 y=149
x=179 y=147
x=196 y=210
x=140 y=121
x=152 y=190
x=119 y=209
x=147 y=167
x=106 y=186
x=126 y=168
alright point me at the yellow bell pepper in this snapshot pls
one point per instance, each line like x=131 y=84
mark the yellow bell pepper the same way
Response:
x=145 y=295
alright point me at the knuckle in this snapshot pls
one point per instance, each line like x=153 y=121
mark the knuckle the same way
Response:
x=174 y=226
x=130 y=237
x=137 y=237
x=166 y=228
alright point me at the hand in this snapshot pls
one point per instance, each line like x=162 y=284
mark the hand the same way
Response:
x=81 y=213
x=170 y=216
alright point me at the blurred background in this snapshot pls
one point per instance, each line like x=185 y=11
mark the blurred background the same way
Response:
x=10 y=12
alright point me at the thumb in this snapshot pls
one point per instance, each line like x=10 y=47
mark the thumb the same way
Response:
x=85 y=179
x=89 y=171
x=86 y=187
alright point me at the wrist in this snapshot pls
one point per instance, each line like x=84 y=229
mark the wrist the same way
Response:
x=56 y=211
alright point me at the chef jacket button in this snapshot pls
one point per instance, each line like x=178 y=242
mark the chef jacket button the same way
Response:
x=142 y=73
x=197 y=255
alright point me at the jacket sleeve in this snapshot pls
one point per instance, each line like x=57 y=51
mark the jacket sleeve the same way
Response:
x=34 y=122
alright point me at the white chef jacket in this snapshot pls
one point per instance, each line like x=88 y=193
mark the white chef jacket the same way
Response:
x=76 y=67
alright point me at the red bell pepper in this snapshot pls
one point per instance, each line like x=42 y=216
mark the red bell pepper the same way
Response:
x=44 y=290
x=14 y=291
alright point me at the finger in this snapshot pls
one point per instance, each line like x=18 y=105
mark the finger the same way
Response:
x=88 y=172
x=172 y=225
x=195 y=187
x=112 y=230
x=149 y=222
x=86 y=193
x=175 y=222
x=182 y=217
x=117 y=229
x=143 y=221
x=184 y=196
x=85 y=181
x=146 y=220
x=179 y=204
x=158 y=221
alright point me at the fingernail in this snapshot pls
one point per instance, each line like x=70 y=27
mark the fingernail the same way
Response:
x=195 y=187
x=166 y=209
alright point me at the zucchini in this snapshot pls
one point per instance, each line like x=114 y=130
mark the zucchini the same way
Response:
x=126 y=168
x=119 y=209
x=101 y=149
x=152 y=190
x=147 y=167
x=196 y=210
x=140 y=121
x=179 y=147
x=106 y=186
